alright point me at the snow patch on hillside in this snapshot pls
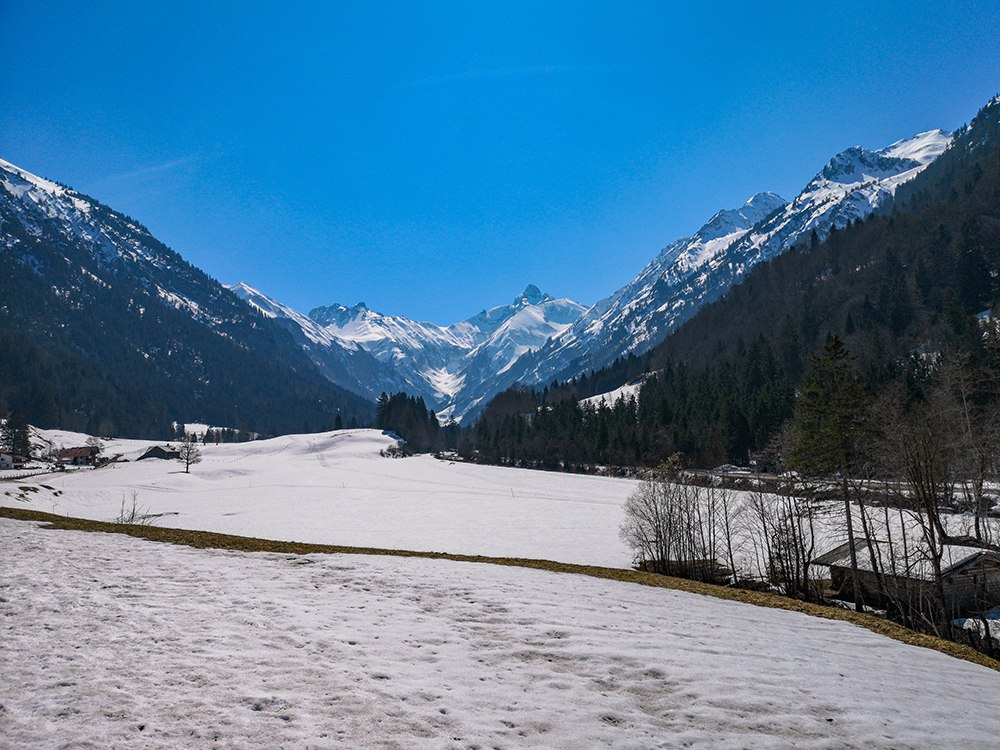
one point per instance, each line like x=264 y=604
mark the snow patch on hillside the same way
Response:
x=609 y=399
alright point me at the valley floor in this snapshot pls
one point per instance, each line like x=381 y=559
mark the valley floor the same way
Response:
x=335 y=488
x=114 y=642
x=111 y=641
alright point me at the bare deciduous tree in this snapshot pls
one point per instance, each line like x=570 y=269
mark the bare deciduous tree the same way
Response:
x=190 y=452
x=676 y=528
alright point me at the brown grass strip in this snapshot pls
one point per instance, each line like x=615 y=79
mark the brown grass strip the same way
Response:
x=211 y=540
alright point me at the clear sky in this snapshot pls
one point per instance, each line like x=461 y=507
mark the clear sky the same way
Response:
x=432 y=159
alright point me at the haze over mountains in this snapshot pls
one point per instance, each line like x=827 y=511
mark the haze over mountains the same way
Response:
x=68 y=255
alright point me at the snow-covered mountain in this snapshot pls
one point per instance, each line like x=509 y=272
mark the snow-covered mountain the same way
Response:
x=115 y=242
x=536 y=338
x=456 y=368
x=104 y=327
x=694 y=271
x=452 y=367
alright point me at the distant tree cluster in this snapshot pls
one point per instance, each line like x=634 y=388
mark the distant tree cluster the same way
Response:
x=409 y=418
x=725 y=414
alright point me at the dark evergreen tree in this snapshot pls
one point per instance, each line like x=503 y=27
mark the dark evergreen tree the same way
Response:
x=832 y=415
x=833 y=430
x=380 y=409
x=16 y=435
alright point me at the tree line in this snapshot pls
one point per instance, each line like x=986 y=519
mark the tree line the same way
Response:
x=902 y=478
x=409 y=418
x=725 y=413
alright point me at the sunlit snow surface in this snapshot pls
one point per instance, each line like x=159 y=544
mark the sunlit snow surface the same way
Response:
x=335 y=488
x=609 y=399
x=110 y=641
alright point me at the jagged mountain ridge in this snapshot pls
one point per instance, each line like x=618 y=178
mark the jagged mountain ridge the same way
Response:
x=692 y=272
x=533 y=340
x=537 y=339
x=101 y=324
x=889 y=287
x=342 y=362
x=449 y=366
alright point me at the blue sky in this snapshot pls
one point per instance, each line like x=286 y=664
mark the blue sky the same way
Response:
x=432 y=159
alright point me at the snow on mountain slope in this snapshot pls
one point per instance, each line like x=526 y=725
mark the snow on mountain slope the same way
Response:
x=344 y=362
x=691 y=272
x=113 y=240
x=536 y=338
x=158 y=339
x=120 y=246
x=527 y=329
x=609 y=399
x=376 y=332
x=450 y=367
x=273 y=309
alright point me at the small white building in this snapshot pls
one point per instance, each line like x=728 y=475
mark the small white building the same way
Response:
x=10 y=460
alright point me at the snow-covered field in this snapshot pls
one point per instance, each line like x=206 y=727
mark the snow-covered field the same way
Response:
x=335 y=488
x=111 y=641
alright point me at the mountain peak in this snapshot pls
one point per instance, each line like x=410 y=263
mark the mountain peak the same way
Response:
x=922 y=148
x=742 y=218
x=857 y=165
x=531 y=295
x=765 y=202
x=242 y=289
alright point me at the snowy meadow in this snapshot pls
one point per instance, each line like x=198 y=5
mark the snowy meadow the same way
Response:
x=335 y=488
x=112 y=641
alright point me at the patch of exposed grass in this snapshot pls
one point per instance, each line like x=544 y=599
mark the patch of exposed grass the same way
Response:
x=207 y=539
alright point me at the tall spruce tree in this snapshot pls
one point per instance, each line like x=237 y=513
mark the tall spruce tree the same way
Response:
x=15 y=436
x=832 y=428
x=380 y=411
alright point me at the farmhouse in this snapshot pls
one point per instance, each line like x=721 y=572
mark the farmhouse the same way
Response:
x=85 y=456
x=970 y=575
x=10 y=460
x=160 y=451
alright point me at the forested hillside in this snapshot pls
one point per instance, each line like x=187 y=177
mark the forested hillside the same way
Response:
x=103 y=329
x=901 y=289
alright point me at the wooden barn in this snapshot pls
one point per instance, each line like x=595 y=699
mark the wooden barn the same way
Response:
x=84 y=456
x=159 y=451
x=970 y=575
